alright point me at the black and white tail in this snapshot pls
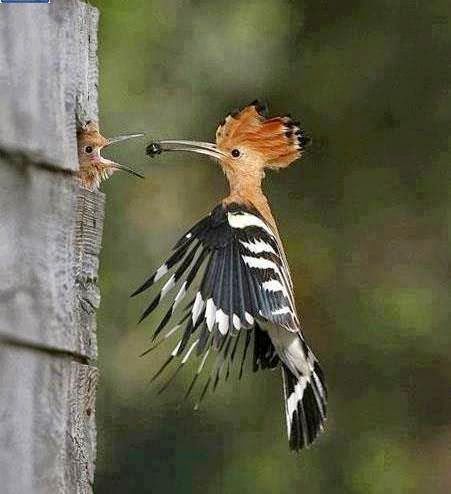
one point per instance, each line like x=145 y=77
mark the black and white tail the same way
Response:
x=305 y=405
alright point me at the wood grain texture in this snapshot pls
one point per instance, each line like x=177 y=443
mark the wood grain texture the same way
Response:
x=48 y=78
x=50 y=239
x=88 y=238
x=51 y=234
x=47 y=431
x=81 y=440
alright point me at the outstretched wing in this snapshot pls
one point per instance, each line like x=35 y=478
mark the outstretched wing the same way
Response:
x=245 y=273
x=232 y=265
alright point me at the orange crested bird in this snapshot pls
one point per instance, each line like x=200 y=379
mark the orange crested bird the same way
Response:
x=233 y=264
x=93 y=167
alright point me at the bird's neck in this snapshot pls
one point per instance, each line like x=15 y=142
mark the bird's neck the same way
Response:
x=247 y=189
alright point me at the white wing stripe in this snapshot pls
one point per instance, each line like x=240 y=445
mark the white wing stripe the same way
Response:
x=197 y=307
x=274 y=286
x=223 y=321
x=281 y=311
x=296 y=396
x=179 y=296
x=201 y=366
x=210 y=314
x=188 y=353
x=168 y=286
x=244 y=220
x=319 y=385
x=257 y=246
x=176 y=349
x=249 y=318
x=261 y=263
x=236 y=322
x=161 y=271
x=172 y=331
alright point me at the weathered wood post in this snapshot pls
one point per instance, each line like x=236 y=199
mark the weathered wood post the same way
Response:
x=50 y=235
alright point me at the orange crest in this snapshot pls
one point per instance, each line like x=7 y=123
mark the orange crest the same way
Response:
x=279 y=140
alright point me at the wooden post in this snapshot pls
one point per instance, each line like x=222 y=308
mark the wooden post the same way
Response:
x=50 y=236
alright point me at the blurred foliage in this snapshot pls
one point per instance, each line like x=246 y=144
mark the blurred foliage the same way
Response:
x=365 y=217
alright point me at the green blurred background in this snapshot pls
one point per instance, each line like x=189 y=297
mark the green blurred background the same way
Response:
x=365 y=217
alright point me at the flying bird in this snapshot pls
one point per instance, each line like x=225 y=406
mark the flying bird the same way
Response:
x=233 y=265
x=93 y=167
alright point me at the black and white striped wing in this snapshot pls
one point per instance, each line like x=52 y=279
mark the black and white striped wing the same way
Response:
x=268 y=289
x=232 y=262
x=234 y=268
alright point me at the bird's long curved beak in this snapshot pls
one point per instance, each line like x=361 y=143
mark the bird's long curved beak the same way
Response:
x=207 y=148
x=113 y=164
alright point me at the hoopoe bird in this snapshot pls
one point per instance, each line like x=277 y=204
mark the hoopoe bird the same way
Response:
x=234 y=265
x=93 y=167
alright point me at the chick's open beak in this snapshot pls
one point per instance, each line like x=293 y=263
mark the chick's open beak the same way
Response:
x=117 y=166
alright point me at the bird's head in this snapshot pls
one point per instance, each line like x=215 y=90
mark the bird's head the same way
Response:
x=94 y=168
x=247 y=142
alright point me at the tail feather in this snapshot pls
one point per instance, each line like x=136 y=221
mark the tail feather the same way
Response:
x=305 y=406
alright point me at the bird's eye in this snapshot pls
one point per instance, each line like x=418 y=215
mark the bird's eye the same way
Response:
x=235 y=153
x=88 y=149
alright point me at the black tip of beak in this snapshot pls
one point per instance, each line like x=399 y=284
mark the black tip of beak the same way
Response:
x=154 y=149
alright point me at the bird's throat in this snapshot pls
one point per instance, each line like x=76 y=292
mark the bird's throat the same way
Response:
x=246 y=188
